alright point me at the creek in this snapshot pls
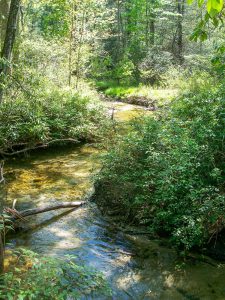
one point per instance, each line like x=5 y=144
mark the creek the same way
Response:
x=135 y=266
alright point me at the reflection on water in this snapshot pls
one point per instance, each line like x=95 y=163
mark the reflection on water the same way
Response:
x=136 y=267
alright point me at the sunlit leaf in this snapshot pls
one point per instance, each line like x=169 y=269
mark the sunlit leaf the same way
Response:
x=200 y=2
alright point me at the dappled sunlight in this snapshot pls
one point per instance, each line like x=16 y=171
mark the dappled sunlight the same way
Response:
x=112 y=150
x=136 y=267
x=62 y=178
x=124 y=112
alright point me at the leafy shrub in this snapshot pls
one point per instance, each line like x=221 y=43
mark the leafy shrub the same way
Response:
x=46 y=278
x=169 y=173
x=218 y=60
x=154 y=65
x=124 y=71
x=54 y=114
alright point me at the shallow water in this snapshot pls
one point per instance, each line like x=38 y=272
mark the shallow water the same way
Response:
x=136 y=267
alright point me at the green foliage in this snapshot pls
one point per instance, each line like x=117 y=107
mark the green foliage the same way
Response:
x=5 y=224
x=169 y=172
x=154 y=66
x=124 y=71
x=53 y=114
x=214 y=7
x=48 y=278
x=218 y=60
x=39 y=107
x=140 y=95
x=214 y=13
x=50 y=18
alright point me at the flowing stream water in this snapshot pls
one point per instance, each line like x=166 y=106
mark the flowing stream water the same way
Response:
x=135 y=266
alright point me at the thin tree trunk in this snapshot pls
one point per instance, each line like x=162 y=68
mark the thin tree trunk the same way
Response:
x=71 y=43
x=9 y=41
x=180 y=10
x=150 y=23
x=147 y=25
x=152 y=30
x=119 y=31
x=79 y=50
x=4 y=10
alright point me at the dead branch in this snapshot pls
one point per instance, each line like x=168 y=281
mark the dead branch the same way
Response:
x=20 y=215
x=38 y=146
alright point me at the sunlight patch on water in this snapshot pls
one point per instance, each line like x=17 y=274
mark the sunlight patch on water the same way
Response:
x=124 y=112
x=136 y=267
x=65 y=177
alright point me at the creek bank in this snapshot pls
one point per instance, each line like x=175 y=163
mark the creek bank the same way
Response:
x=109 y=205
x=142 y=101
x=135 y=266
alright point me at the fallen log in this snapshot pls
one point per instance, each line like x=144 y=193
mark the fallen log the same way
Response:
x=20 y=215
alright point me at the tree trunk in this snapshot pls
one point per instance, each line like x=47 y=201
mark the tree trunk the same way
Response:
x=72 y=31
x=180 y=10
x=9 y=40
x=147 y=25
x=152 y=30
x=4 y=10
x=120 y=37
x=150 y=23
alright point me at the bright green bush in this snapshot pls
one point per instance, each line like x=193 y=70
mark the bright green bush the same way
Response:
x=169 y=172
x=47 y=278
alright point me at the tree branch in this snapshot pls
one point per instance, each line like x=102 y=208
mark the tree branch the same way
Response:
x=20 y=215
x=3 y=153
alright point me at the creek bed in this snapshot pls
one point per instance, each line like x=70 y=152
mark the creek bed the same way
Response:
x=136 y=267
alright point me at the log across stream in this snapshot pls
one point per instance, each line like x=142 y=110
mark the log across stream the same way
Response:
x=136 y=267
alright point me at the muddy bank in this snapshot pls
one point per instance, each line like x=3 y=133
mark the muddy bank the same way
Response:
x=142 y=101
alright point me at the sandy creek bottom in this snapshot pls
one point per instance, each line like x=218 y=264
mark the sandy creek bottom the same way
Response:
x=136 y=267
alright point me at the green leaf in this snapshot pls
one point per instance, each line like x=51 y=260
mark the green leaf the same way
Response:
x=209 y=6
x=215 y=22
x=214 y=7
x=200 y=2
x=203 y=36
x=217 y=5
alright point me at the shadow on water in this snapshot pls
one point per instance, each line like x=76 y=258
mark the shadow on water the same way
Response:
x=136 y=267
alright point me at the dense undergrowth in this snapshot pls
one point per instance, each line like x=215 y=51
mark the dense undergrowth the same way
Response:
x=41 y=109
x=55 y=115
x=168 y=173
x=137 y=94
x=175 y=81
x=30 y=276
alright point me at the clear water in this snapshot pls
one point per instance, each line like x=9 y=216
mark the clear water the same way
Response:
x=136 y=267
